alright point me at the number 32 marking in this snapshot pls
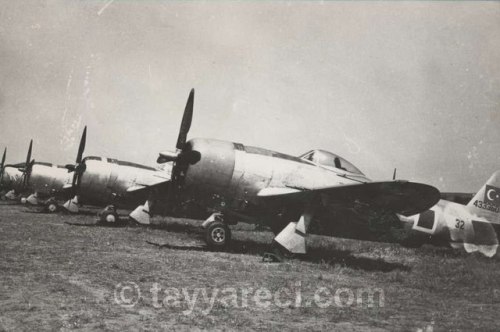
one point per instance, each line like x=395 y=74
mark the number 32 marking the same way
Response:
x=460 y=224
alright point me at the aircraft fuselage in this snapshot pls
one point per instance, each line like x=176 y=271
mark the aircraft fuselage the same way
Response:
x=47 y=179
x=229 y=176
x=450 y=223
x=106 y=181
x=11 y=178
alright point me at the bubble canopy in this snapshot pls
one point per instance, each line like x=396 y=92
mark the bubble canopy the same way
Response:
x=330 y=160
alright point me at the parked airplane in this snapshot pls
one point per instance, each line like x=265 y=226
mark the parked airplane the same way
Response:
x=236 y=182
x=112 y=183
x=9 y=176
x=474 y=226
x=13 y=177
x=43 y=180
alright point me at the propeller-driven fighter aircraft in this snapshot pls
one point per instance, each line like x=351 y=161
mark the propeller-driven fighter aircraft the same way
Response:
x=474 y=226
x=44 y=180
x=112 y=183
x=10 y=176
x=235 y=183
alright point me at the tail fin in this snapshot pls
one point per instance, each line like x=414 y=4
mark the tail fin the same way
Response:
x=486 y=203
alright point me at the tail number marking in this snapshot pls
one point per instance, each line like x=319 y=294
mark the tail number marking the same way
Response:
x=486 y=206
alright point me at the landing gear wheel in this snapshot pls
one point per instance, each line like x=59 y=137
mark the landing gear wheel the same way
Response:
x=217 y=235
x=109 y=218
x=52 y=207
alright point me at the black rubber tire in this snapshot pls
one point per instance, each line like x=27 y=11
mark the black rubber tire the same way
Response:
x=217 y=235
x=107 y=215
x=52 y=207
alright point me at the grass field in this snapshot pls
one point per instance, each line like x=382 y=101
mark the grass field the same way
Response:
x=55 y=276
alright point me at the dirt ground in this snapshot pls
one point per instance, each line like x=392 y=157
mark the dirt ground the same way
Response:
x=56 y=276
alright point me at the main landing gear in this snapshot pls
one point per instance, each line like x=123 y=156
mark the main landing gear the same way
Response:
x=217 y=232
x=11 y=195
x=142 y=214
x=72 y=205
x=51 y=205
x=32 y=199
x=109 y=216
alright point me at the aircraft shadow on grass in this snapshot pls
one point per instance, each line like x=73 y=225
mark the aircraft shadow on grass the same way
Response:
x=330 y=256
x=43 y=210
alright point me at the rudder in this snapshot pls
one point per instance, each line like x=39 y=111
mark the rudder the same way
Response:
x=486 y=202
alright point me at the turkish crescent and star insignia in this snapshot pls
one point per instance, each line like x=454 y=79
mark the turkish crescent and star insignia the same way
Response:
x=492 y=195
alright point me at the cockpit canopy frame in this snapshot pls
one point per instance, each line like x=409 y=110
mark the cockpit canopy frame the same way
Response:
x=329 y=160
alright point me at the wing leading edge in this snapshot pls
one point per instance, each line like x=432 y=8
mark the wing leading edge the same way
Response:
x=402 y=197
x=157 y=180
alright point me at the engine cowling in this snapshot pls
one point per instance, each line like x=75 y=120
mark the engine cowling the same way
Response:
x=208 y=181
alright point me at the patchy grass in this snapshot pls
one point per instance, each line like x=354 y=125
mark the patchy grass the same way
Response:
x=58 y=276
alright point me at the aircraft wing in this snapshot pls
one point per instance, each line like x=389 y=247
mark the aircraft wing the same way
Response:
x=149 y=182
x=461 y=198
x=402 y=197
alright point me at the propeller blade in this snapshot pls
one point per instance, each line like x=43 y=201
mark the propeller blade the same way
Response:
x=28 y=157
x=78 y=168
x=73 y=183
x=81 y=148
x=70 y=167
x=189 y=157
x=394 y=174
x=166 y=156
x=27 y=174
x=28 y=165
x=3 y=157
x=2 y=168
x=186 y=121
x=181 y=158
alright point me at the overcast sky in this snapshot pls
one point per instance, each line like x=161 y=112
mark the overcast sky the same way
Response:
x=412 y=85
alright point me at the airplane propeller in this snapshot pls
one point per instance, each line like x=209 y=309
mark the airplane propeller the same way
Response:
x=28 y=167
x=183 y=156
x=2 y=167
x=79 y=167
